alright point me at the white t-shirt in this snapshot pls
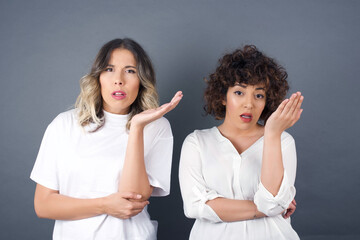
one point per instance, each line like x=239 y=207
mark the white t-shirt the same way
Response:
x=211 y=167
x=87 y=165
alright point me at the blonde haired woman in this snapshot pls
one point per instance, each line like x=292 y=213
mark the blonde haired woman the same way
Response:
x=99 y=163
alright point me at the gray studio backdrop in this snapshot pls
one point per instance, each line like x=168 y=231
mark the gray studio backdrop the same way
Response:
x=46 y=46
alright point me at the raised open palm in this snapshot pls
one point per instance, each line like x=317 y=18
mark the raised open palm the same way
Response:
x=145 y=117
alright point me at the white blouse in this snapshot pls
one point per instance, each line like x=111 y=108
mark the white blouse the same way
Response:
x=88 y=165
x=211 y=167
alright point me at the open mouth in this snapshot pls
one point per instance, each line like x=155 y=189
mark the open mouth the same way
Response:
x=246 y=117
x=118 y=95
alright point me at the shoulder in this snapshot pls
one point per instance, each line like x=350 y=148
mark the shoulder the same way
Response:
x=160 y=127
x=201 y=136
x=64 y=120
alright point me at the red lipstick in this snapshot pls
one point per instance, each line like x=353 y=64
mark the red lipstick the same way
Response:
x=118 y=95
x=246 y=117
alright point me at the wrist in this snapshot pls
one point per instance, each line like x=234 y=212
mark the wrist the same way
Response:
x=102 y=205
x=269 y=133
x=135 y=127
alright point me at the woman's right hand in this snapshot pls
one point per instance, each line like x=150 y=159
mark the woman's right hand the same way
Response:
x=286 y=115
x=119 y=205
x=145 y=117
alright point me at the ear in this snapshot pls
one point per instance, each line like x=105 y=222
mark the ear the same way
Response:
x=224 y=101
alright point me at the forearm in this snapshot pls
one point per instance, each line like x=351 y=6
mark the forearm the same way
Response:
x=59 y=207
x=272 y=169
x=231 y=210
x=134 y=177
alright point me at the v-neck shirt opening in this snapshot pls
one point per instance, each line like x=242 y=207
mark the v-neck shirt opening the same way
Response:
x=222 y=138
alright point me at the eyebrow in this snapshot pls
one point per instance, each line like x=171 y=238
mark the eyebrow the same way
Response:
x=244 y=86
x=130 y=66
x=110 y=65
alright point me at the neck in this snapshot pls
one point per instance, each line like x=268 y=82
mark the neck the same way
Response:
x=230 y=130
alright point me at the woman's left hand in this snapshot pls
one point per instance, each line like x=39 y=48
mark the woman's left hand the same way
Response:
x=145 y=117
x=286 y=115
x=291 y=209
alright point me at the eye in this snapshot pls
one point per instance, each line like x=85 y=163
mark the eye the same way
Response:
x=238 y=93
x=132 y=71
x=108 y=69
x=259 y=96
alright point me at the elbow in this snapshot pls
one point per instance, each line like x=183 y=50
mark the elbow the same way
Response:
x=39 y=210
x=147 y=193
x=191 y=210
x=190 y=213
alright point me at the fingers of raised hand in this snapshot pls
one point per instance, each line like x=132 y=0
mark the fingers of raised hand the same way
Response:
x=163 y=109
x=296 y=110
x=297 y=104
x=282 y=105
x=291 y=104
x=167 y=107
x=176 y=99
x=292 y=109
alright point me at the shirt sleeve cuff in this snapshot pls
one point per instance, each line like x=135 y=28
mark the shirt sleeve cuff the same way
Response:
x=274 y=205
x=159 y=190
x=205 y=211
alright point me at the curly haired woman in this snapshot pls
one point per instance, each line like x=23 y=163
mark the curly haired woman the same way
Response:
x=237 y=179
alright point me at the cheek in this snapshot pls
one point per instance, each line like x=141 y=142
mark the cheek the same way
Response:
x=102 y=82
x=135 y=87
x=232 y=103
x=261 y=107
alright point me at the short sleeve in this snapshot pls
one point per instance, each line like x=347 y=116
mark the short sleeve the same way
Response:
x=44 y=171
x=158 y=156
x=194 y=190
x=274 y=205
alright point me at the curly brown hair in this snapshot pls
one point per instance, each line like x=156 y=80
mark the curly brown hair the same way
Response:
x=249 y=66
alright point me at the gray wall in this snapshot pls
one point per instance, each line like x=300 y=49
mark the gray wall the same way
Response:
x=46 y=46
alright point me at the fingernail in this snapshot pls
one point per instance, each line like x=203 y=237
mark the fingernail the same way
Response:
x=138 y=196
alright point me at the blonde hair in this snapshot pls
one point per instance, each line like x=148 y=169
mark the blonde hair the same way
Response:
x=89 y=102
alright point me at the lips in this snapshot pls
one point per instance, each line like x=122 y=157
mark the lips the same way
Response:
x=246 y=117
x=118 y=95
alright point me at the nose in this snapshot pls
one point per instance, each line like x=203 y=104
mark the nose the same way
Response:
x=119 y=79
x=248 y=102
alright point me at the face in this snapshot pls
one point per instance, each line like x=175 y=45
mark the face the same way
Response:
x=244 y=105
x=119 y=82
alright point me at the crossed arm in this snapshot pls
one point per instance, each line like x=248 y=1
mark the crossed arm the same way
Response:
x=134 y=187
x=229 y=210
